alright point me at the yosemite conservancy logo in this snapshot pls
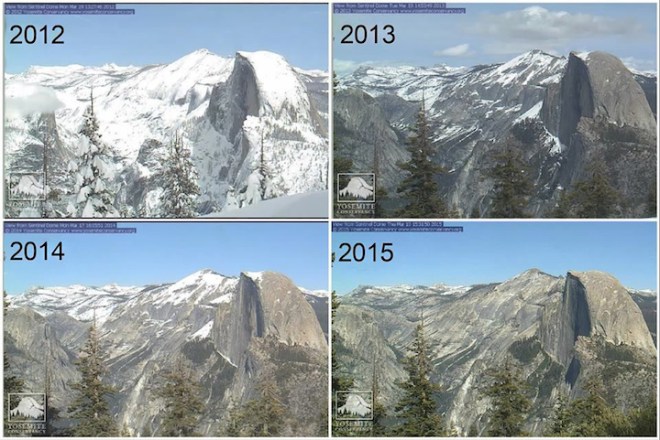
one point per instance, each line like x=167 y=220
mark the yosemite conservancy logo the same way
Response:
x=356 y=187
x=27 y=186
x=354 y=405
x=27 y=407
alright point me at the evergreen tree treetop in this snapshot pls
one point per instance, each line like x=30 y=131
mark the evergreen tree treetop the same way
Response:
x=509 y=403
x=419 y=188
x=182 y=401
x=90 y=406
x=417 y=409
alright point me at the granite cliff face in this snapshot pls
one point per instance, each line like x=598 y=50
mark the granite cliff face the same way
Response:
x=233 y=331
x=598 y=85
x=562 y=114
x=558 y=331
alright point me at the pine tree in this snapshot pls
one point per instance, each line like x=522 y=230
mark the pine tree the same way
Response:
x=377 y=408
x=508 y=402
x=341 y=382
x=512 y=185
x=52 y=413
x=94 y=172
x=180 y=188
x=644 y=420
x=264 y=416
x=417 y=409
x=595 y=197
x=182 y=402
x=90 y=406
x=265 y=174
x=234 y=421
x=473 y=431
x=560 y=417
x=419 y=187
x=591 y=416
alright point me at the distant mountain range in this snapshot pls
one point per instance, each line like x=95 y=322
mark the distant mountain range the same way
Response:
x=559 y=331
x=224 y=109
x=232 y=330
x=562 y=113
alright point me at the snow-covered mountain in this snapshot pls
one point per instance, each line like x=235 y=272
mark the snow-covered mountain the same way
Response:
x=233 y=330
x=226 y=110
x=558 y=331
x=561 y=112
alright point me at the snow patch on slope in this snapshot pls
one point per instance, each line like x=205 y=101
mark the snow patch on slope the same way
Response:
x=203 y=332
x=306 y=205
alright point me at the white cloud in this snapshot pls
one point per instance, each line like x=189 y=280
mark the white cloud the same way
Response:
x=460 y=50
x=639 y=65
x=344 y=67
x=535 y=27
x=25 y=99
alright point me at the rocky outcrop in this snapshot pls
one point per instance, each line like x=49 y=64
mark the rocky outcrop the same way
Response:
x=267 y=305
x=607 y=310
x=558 y=331
x=236 y=99
x=597 y=86
x=616 y=96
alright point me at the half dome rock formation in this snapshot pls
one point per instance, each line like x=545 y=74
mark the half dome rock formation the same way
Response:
x=597 y=85
x=615 y=93
x=558 y=331
x=610 y=310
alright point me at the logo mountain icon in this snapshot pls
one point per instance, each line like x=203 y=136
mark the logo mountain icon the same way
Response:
x=360 y=187
x=355 y=406
x=30 y=407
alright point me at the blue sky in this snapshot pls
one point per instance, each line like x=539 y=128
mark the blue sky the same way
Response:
x=167 y=252
x=490 y=33
x=162 y=33
x=497 y=251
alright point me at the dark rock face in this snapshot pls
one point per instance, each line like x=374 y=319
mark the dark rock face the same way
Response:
x=232 y=330
x=561 y=114
x=557 y=331
x=234 y=100
x=575 y=99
